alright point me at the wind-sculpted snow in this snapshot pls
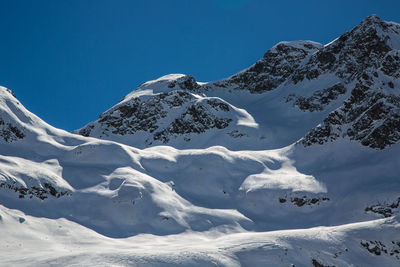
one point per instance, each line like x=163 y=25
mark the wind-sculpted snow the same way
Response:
x=61 y=242
x=292 y=161
x=121 y=191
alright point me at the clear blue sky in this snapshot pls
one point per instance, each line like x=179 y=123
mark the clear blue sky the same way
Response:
x=68 y=61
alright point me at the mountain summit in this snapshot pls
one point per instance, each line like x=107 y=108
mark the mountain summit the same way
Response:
x=345 y=89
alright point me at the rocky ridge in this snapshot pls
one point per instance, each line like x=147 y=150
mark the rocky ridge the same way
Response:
x=361 y=101
x=166 y=116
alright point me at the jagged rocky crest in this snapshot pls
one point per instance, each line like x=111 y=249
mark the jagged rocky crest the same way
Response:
x=352 y=53
x=370 y=65
x=167 y=116
x=10 y=131
x=273 y=69
x=362 y=101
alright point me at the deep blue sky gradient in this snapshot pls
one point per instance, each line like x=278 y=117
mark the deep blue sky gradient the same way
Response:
x=68 y=61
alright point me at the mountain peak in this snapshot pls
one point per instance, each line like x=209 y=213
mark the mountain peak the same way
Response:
x=306 y=75
x=372 y=19
x=373 y=26
x=371 y=22
x=287 y=47
x=6 y=91
x=165 y=84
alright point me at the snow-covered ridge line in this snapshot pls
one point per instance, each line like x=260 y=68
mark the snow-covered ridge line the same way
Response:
x=301 y=84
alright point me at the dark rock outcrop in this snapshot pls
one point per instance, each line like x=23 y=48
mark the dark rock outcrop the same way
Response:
x=273 y=69
x=10 y=132
x=151 y=114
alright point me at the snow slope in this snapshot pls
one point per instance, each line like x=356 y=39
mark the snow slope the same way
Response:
x=61 y=242
x=291 y=161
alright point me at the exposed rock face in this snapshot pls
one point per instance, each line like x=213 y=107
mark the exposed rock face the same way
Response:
x=304 y=200
x=196 y=119
x=42 y=192
x=318 y=100
x=371 y=114
x=186 y=82
x=385 y=209
x=347 y=57
x=273 y=69
x=379 y=248
x=10 y=132
x=391 y=64
x=352 y=53
x=139 y=114
x=164 y=116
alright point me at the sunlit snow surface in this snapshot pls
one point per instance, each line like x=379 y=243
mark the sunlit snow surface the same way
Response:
x=164 y=206
x=260 y=199
x=36 y=241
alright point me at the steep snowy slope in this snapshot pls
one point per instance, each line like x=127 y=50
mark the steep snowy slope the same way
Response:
x=120 y=191
x=249 y=177
x=51 y=173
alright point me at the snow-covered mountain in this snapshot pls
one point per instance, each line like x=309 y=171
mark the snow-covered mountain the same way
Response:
x=346 y=87
x=291 y=161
